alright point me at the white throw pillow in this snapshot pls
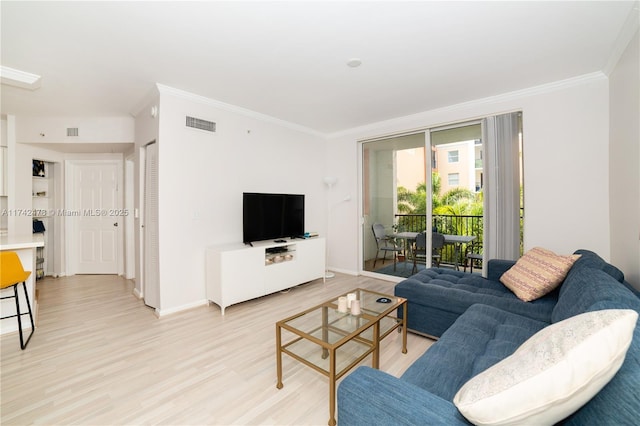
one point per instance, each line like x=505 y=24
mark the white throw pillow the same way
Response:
x=552 y=374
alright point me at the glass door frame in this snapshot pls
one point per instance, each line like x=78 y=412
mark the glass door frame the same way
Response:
x=364 y=230
x=426 y=132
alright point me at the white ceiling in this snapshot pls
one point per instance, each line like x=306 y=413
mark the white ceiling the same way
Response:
x=288 y=59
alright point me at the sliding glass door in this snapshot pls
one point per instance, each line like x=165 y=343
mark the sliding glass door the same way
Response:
x=394 y=196
x=457 y=178
x=462 y=181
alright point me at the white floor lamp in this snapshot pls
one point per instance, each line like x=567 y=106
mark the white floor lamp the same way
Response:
x=329 y=181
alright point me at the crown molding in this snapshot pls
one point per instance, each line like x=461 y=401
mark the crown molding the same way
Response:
x=628 y=30
x=166 y=90
x=21 y=79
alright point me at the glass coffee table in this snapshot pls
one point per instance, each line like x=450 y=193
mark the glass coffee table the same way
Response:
x=333 y=342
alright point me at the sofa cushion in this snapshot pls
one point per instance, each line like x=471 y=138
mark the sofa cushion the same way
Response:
x=590 y=259
x=587 y=289
x=578 y=356
x=536 y=273
x=618 y=403
x=480 y=337
x=437 y=297
x=497 y=267
x=368 y=397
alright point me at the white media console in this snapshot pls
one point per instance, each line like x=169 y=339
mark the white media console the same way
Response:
x=237 y=272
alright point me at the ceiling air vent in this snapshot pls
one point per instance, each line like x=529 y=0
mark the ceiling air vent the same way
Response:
x=200 y=124
x=72 y=131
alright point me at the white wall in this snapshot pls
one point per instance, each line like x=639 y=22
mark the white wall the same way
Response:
x=565 y=165
x=3 y=132
x=202 y=177
x=146 y=131
x=624 y=162
x=35 y=129
x=4 y=142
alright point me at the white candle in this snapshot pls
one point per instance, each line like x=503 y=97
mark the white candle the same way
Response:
x=355 y=307
x=342 y=304
x=350 y=298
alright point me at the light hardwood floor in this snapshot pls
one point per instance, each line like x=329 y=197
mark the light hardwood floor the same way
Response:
x=100 y=357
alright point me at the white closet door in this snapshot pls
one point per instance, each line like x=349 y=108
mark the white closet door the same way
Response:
x=96 y=196
x=151 y=262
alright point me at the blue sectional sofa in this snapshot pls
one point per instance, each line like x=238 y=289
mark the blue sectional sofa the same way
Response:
x=479 y=322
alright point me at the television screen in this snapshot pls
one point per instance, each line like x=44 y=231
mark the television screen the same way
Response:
x=271 y=216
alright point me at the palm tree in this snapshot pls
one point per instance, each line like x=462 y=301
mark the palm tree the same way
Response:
x=410 y=202
x=455 y=202
x=461 y=207
x=405 y=198
x=436 y=186
x=454 y=195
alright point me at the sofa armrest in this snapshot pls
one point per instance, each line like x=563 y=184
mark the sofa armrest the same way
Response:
x=369 y=397
x=497 y=267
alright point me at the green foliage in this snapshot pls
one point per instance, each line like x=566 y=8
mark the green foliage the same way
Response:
x=455 y=202
x=450 y=210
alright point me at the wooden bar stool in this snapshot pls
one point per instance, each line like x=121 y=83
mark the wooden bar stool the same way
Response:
x=11 y=275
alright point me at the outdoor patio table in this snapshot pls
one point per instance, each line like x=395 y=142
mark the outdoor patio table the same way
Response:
x=457 y=241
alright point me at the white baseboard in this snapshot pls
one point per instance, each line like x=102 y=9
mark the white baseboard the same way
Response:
x=344 y=271
x=164 y=312
x=382 y=276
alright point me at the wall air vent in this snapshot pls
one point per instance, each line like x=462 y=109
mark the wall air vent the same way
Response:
x=72 y=131
x=200 y=124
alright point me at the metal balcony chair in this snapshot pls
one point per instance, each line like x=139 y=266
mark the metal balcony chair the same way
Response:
x=385 y=244
x=437 y=243
x=12 y=275
x=420 y=249
x=473 y=254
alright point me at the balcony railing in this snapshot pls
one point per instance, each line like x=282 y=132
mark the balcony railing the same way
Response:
x=444 y=224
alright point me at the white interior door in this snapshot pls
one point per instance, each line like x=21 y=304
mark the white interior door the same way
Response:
x=150 y=254
x=98 y=219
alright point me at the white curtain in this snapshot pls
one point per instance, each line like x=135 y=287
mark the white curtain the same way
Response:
x=502 y=187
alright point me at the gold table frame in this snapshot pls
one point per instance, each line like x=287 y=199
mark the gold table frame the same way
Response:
x=323 y=327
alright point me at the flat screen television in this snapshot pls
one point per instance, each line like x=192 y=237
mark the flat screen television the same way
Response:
x=271 y=216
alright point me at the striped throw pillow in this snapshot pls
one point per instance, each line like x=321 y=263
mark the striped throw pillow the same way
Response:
x=537 y=272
